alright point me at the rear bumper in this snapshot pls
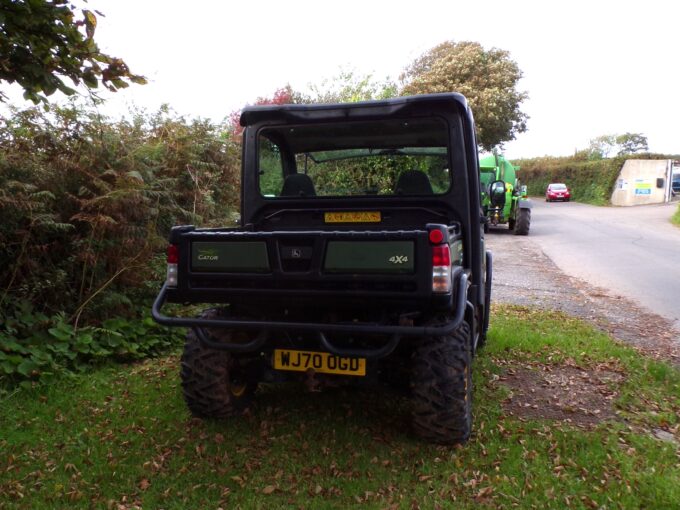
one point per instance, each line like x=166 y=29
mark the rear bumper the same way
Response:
x=395 y=332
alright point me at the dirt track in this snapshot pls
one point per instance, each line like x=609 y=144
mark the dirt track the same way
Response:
x=524 y=275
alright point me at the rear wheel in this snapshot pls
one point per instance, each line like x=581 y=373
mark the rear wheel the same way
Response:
x=441 y=385
x=214 y=383
x=523 y=222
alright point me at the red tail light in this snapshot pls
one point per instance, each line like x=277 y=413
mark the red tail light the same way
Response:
x=441 y=269
x=173 y=260
x=441 y=255
x=436 y=236
x=173 y=254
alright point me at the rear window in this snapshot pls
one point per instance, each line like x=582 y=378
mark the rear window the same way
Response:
x=557 y=187
x=386 y=158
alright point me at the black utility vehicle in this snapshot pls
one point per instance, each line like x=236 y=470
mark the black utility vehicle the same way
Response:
x=359 y=257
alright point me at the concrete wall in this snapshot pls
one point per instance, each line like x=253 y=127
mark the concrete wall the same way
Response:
x=637 y=182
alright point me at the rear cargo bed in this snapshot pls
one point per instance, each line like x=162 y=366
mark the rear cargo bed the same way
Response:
x=221 y=265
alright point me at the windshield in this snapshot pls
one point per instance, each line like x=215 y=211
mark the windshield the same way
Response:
x=385 y=157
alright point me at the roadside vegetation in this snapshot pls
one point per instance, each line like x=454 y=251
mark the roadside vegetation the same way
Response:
x=675 y=219
x=86 y=204
x=590 y=179
x=120 y=437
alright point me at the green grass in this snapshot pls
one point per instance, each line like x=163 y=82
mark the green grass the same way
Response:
x=675 y=219
x=122 y=437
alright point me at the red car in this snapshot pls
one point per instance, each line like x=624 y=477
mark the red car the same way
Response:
x=557 y=191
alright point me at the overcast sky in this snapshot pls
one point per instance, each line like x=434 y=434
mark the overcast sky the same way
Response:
x=590 y=67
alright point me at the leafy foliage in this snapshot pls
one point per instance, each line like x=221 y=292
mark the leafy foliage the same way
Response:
x=36 y=347
x=87 y=203
x=607 y=145
x=589 y=181
x=42 y=41
x=487 y=78
x=348 y=86
x=675 y=219
x=284 y=95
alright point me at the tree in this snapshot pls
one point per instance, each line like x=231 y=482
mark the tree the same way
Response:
x=349 y=87
x=43 y=41
x=487 y=78
x=630 y=143
x=601 y=147
x=284 y=95
x=606 y=145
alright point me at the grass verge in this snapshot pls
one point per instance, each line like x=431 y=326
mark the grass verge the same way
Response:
x=121 y=438
x=675 y=219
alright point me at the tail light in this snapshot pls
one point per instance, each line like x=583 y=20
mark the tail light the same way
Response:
x=441 y=263
x=173 y=260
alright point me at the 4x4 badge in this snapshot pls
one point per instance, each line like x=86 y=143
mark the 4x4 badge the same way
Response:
x=398 y=259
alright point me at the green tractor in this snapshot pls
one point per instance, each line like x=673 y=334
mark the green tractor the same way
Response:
x=504 y=199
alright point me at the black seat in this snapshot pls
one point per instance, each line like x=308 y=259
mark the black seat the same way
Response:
x=298 y=185
x=413 y=182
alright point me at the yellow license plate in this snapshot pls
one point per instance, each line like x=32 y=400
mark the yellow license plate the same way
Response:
x=352 y=217
x=321 y=362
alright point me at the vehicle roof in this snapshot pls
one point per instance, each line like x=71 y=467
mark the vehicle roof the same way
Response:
x=335 y=111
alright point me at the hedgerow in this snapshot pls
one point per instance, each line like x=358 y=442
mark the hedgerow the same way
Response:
x=86 y=204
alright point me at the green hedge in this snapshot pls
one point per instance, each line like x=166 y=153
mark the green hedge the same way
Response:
x=86 y=203
x=589 y=181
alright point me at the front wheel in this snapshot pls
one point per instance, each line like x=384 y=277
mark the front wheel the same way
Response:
x=441 y=386
x=523 y=222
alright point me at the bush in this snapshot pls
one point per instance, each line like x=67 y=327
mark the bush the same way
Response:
x=87 y=202
x=86 y=205
x=35 y=347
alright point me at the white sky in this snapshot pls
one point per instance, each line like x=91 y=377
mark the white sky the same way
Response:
x=590 y=67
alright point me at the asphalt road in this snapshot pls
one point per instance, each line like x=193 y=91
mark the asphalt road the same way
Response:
x=632 y=251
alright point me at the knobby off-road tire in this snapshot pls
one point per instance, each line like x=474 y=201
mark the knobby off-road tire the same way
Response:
x=441 y=386
x=211 y=382
x=523 y=222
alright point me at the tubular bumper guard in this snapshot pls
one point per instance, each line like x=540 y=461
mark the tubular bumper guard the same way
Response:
x=459 y=278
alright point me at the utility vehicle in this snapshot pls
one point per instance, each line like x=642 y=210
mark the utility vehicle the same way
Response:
x=504 y=198
x=359 y=258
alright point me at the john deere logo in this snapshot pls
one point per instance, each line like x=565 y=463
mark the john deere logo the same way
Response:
x=207 y=254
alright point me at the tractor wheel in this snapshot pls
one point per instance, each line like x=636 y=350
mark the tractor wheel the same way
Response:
x=511 y=223
x=212 y=382
x=523 y=222
x=441 y=385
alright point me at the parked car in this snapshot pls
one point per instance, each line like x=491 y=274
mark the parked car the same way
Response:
x=557 y=191
x=675 y=184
